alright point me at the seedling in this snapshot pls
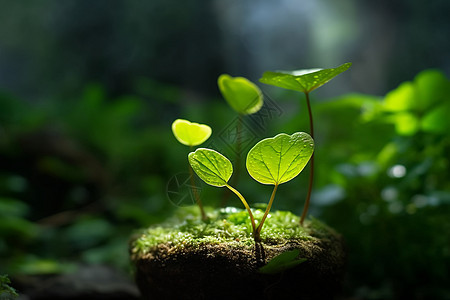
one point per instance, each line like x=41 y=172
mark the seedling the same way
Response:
x=304 y=81
x=271 y=161
x=245 y=98
x=192 y=134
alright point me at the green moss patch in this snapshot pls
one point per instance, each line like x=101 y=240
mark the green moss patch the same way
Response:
x=228 y=225
x=187 y=258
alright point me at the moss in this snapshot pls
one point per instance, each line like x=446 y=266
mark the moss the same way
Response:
x=187 y=258
x=228 y=225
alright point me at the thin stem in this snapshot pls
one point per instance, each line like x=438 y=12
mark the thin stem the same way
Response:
x=308 y=196
x=239 y=142
x=311 y=173
x=194 y=191
x=252 y=219
x=269 y=206
x=311 y=124
x=237 y=163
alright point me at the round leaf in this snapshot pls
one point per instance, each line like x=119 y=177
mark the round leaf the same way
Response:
x=302 y=80
x=189 y=133
x=279 y=159
x=241 y=94
x=211 y=166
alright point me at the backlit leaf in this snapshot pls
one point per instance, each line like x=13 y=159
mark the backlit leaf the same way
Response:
x=241 y=94
x=302 y=80
x=189 y=133
x=279 y=159
x=211 y=166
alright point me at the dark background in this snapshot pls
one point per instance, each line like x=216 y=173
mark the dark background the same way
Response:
x=89 y=89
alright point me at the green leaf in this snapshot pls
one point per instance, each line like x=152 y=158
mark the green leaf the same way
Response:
x=302 y=80
x=437 y=120
x=6 y=291
x=431 y=87
x=405 y=123
x=189 y=133
x=211 y=166
x=282 y=262
x=401 y=99
x=279 y=159
x=10 y=207
x=241 y=94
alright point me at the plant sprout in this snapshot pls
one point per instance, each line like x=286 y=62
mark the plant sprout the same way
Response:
x=215 y=169
x=245 y=98
x=271 y=161
x=192 y=134
x=304 y=81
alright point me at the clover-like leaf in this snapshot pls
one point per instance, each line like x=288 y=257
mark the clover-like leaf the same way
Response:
x=189 y=133
x=302 y=80
x=242 y=95
x=211 y=166
x=282 y=262
x=279 y=159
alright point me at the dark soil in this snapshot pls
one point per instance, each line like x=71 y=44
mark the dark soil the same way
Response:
x=229 y=271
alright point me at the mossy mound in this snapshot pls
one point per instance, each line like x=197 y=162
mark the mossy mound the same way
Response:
x=186 y=258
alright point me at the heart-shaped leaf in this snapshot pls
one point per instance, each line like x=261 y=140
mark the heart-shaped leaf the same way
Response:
x=211 y=166
x=279 y=159
x=282 y=262
x=302 y=80
x=189 y=133
x=241 y=94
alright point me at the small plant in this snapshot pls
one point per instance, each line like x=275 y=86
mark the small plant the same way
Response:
x=192 y=134
x=304 y=81
x=271 y=161
x=245 y=98
x=222 y=247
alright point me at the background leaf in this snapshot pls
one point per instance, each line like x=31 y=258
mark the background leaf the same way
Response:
x=241 y=94
x=302 y=80
x=190 y=133
x=279 y=159
x=211 y=166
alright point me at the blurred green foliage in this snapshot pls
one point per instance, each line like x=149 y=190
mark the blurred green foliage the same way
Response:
x=383 y=165
x=78 y=176
x=6 y=292
x=70 y=172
